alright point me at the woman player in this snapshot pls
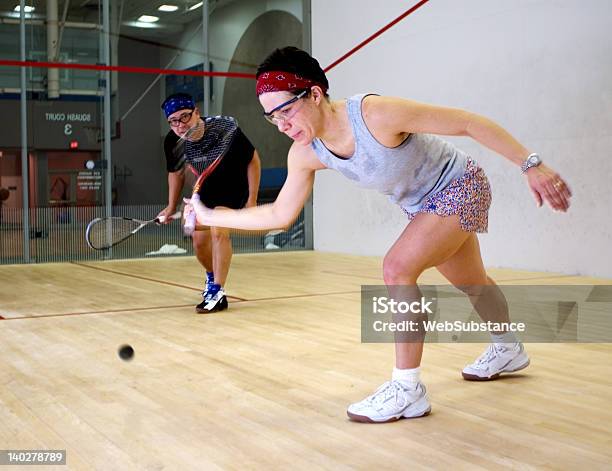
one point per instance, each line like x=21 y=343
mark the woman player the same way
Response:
x=389 y=144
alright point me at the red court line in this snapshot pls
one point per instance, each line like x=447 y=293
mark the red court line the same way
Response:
x=123 y=68
x=295 y=296
x=118 y=311
x=87 y=313
x=375 y=35
x=497 y=280
x=131 y=275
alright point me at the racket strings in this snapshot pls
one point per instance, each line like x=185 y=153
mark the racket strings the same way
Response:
x=104 y=233
x=202 y=150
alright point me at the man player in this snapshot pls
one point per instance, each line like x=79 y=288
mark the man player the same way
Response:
x=234 y=183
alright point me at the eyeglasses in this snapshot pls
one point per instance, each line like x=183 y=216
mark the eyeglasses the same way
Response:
x=278 y=115
x=183 y=118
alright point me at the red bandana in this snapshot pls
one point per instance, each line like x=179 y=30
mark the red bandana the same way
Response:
x=278 y=81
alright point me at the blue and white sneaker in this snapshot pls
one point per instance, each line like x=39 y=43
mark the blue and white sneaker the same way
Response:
x=210 y=281
x=215 y=300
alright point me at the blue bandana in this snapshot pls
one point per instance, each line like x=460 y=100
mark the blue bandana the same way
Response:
x=178 y=103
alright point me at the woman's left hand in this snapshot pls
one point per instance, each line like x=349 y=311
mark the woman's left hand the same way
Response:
x=547 y=185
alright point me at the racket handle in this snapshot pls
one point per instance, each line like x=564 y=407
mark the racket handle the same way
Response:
x=190 y=219
x=162 y=219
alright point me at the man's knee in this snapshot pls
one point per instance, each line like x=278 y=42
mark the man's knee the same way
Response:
x=201 y=239
x=220 y=235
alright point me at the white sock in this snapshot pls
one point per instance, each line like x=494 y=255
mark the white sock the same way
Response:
x=506 y=338
x=408 y=377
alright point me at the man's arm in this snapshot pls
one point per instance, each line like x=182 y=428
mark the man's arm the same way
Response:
x=176 y=181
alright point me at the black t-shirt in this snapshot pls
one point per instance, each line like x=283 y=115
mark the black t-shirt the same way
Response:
x=228 y=184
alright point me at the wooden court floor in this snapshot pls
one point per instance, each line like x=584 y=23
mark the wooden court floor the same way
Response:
x=265 y=384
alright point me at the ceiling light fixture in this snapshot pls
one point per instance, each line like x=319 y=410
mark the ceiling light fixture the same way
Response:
x=140 y=24
x=148 y=19
x=197 y=5
x=168 y=8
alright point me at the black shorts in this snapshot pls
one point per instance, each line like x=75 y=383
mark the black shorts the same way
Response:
x=233 y=200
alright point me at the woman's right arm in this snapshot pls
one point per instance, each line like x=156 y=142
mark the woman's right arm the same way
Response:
x=301 y=166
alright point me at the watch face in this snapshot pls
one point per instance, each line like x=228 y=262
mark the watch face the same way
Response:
x=533 y=159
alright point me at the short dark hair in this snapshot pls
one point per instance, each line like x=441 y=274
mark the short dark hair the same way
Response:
x=294 y=60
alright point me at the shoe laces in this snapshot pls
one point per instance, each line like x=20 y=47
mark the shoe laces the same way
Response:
x=211 y=291
x=216 y=292
x=489 y=354
x=389 y=390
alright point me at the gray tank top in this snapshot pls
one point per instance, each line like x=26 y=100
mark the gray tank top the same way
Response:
x=420 y=166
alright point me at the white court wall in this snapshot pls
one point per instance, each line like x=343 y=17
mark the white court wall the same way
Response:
x=540 y=68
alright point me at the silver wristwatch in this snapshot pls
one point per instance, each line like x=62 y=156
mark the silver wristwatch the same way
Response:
x=533 y=160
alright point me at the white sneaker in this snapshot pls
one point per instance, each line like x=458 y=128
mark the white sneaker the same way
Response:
x=391 y=402
x=497 y=358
